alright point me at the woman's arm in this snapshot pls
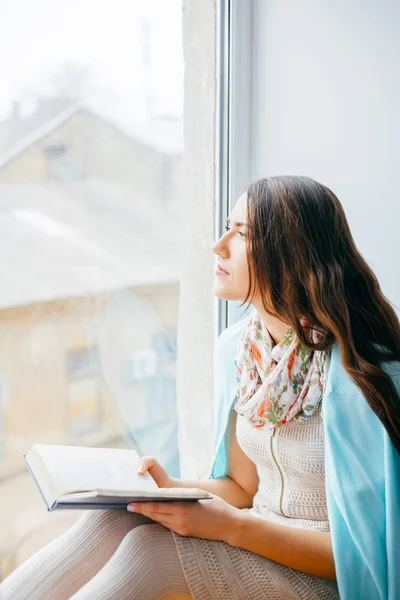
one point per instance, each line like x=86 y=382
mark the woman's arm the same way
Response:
x=241 y=483
x=300 y=549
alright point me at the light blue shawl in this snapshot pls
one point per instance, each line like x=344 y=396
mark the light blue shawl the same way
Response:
x=362 y=475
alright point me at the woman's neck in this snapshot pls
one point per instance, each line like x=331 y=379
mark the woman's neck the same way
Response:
x=276 y=328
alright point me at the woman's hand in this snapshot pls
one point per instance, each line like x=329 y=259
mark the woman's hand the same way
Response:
x=212 y=519
x=158 y=473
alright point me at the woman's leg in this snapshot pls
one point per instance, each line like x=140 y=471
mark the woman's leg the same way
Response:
x=67 y=563
x=146 y=566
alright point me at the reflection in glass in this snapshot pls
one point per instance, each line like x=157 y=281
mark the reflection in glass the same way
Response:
x=90 y=158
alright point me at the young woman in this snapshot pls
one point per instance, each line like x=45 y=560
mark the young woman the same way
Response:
x=306 y=469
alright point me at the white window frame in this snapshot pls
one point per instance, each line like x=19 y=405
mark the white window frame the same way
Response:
x=233 y=130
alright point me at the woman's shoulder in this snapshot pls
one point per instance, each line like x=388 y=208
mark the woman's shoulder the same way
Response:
x=347 y=416
x=339 y=381
x=230 y=336
x=225 y=349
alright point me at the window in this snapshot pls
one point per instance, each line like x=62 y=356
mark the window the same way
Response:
x=84 y=401
x=150 y=374
x=90 y=165
x=2 y=415
x=61 y=163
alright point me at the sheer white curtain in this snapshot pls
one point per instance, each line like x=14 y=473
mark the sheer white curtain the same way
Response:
x=196 y=334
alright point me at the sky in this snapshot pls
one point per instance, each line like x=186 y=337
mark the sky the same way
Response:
x=132 y=76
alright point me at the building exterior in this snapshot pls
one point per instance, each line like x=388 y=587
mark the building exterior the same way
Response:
x=64 y=141
x=89 y=291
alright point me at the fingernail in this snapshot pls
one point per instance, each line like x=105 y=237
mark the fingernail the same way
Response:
x=131 y=507
x=141 y=468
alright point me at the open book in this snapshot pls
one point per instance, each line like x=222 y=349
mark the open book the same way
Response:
x=80 y=477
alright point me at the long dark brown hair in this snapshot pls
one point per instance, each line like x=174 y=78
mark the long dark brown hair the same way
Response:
x=304 y=263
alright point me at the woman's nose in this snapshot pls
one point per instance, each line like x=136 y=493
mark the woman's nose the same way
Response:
x=220 y=248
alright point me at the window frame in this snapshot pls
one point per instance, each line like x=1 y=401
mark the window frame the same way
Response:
x=233 y=115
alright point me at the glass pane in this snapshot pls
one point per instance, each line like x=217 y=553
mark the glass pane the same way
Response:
x=90 y=154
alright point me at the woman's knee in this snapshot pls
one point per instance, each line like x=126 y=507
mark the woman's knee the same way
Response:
x=104 y=521
x=96 y=518
x=151 y=549
x=151 y=542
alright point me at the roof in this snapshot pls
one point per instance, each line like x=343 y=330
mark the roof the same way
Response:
x=17 y=133
x=17 y=127
x=28 y=138
x=70 y=240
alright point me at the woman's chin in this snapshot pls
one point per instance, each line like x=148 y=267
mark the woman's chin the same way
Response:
x=224 y=294
x=221 y=296
x=220 y=293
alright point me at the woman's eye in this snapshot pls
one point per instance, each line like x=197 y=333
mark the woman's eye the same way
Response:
x=241 y=234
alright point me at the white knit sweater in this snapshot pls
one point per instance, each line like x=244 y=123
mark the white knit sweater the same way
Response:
x=291 y=470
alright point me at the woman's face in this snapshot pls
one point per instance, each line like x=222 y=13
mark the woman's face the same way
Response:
x=232 y=275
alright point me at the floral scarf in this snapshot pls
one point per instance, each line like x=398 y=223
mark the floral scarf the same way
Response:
x=277 y=383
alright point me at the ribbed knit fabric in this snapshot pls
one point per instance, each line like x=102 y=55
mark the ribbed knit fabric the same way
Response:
x=106 y=555
x=291 y=492
x=145 y=567
x=291 y=469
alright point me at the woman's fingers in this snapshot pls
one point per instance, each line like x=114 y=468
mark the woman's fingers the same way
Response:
x=145 y=463
x=148 y=464
x=162 y=513
x=152 y=508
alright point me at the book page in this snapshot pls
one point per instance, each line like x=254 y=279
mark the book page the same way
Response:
x=163 y=492
x=104 y=496
x=77 y=468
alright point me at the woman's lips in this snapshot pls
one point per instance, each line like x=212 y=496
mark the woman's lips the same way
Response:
x=221 y=271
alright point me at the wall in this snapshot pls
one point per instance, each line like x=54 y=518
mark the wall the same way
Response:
x=326 y=94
